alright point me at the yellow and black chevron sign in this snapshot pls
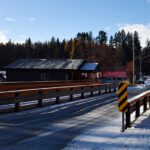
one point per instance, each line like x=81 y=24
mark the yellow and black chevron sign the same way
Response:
x=122 y=97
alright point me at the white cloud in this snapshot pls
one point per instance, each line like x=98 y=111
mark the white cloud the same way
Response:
x=3 y=36
x=143 y=30
x=32 y=19
x=10 y=19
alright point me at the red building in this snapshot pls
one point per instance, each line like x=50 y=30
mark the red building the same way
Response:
x=115 y=72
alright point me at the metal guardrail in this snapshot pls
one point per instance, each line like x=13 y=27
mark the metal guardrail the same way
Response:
x=25 y=95
x=134 y=105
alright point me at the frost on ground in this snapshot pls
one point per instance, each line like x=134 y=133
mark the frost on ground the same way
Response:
x=111 y=138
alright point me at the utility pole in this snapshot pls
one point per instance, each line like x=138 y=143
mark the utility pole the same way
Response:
x=133 y=78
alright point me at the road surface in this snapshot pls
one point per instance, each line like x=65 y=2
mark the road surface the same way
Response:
x=53 y=127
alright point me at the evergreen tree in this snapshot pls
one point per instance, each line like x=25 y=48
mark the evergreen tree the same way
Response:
x=120 y=45
x=111 y=41
x=129 y=48
x=102 y=37
x=145 y=55
x=137 y=45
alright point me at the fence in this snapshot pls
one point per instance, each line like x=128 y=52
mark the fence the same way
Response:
x=39 y=94
x=134 y=105
x=7 y=86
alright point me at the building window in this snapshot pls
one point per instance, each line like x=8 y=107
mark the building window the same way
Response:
x=44 y=76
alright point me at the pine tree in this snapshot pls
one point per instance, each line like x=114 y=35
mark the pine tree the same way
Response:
x=137 y=44
x=102 y=37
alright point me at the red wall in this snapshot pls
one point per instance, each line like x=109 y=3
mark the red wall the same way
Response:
x=122 y=74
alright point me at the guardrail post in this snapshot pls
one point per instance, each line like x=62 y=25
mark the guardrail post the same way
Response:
x=105 y=89
x=128 y=117
x=40 y=101
x=17 y=104
x=99 y=92
x=137 y=109
x=114 y=88
x=145 y=103
x=91 y=91
x=57 y=98
x=71 y=96
x=109 y=88
x=82 y=93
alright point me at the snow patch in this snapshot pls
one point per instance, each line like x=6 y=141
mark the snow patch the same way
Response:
x=111 y=138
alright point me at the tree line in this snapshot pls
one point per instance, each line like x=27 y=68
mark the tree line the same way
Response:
x=116 y=50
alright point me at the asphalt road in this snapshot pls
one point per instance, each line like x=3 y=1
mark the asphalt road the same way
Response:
x=53 y=127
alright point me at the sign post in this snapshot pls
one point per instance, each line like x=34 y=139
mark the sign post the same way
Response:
x=122 y=101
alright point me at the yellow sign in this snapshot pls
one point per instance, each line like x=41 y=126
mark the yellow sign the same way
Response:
x=122 y=97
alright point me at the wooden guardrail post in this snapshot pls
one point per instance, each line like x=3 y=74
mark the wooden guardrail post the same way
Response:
x=91 y=91
x=105 y=89
x=114 y=88
x=57 y=97
x=40 y=101
x=17 y=104
x=82 y=93
x=145 y=103
x=99 y=92
x=137 y=105
x=109 y=88
x=71 y=96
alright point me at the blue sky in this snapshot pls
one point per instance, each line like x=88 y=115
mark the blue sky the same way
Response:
x=42 y=19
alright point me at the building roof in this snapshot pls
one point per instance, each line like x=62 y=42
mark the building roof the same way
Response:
x=65 y=64
x=89 y=67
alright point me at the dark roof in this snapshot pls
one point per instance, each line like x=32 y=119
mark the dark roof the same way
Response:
x=89 y=67
x=65 y=64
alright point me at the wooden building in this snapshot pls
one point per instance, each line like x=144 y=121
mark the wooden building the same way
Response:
x=115 y=72
x=47 y=69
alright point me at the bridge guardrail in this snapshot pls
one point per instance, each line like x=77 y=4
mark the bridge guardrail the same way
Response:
x=134 y=105
x=24 y=95
x=5 y=86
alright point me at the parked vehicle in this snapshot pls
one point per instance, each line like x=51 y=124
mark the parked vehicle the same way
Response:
x=147 y=80
x=107 y=80
x=114 y=80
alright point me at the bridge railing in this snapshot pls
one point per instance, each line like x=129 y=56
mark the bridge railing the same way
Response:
x=40 y=84
x=135 y=105
x=39 y=94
